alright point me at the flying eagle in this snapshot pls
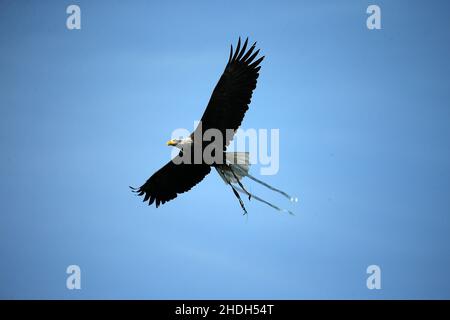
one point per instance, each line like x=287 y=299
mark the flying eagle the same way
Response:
x=224 y=113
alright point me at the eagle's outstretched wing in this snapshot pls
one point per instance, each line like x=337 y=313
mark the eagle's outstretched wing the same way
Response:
x=232 y=94
x=172 y=179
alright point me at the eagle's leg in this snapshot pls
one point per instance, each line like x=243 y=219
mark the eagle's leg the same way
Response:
x=239 y=198
x=234 y=190
x=239 y=182
x=266 y=202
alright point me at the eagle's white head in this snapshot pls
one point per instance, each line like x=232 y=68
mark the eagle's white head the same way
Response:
x=179 y=143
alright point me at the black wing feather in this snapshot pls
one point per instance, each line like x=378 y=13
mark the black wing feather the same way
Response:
x=171 y=180
x=232 y=95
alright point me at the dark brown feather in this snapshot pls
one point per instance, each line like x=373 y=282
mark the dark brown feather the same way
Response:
x=232 y=95
x=171 y=180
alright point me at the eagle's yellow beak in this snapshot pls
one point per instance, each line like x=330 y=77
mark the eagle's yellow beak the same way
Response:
x=171 y=143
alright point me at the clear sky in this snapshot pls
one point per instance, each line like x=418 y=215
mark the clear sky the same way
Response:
x=365 y=144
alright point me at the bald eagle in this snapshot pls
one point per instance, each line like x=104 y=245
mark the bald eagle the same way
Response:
x=224 y=113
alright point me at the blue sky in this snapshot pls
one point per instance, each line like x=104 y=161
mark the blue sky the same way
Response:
x=364 y=143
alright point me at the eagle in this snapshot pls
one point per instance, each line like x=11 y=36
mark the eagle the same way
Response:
x=223 y=115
